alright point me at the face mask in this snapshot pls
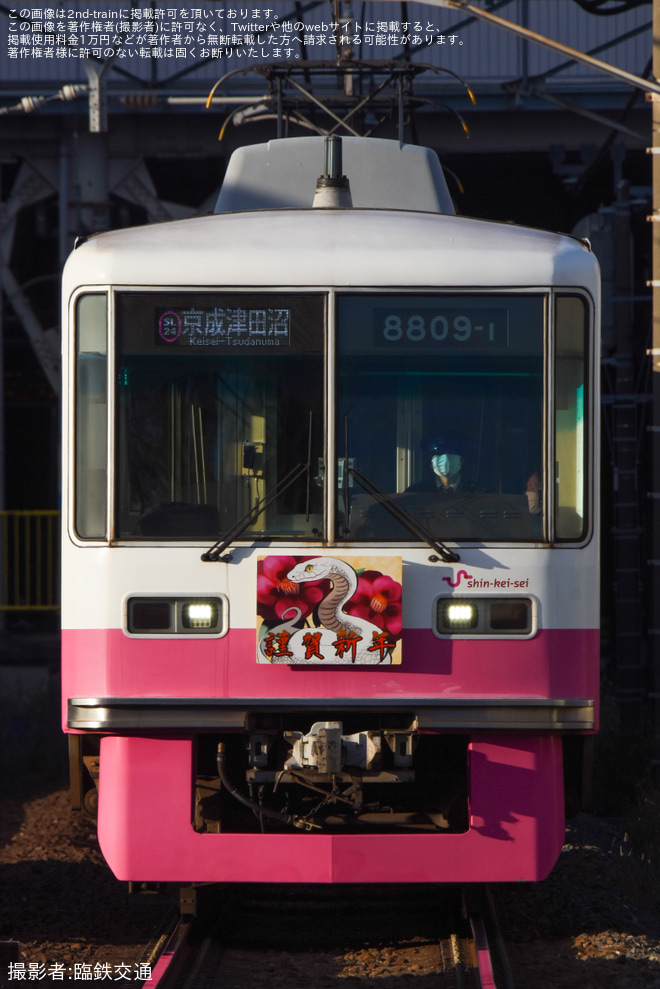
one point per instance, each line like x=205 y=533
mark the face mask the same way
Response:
x=446 y=464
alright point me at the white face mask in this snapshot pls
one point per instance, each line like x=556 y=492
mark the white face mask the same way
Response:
x=446 y=464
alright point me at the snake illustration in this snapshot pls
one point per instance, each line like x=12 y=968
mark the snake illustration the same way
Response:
x=344 y=585
x=330 y=610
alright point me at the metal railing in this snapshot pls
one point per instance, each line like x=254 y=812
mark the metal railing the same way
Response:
x=30 y=554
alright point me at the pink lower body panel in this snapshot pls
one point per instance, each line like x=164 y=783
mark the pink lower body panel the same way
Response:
x=515 y=833
x=560 y=663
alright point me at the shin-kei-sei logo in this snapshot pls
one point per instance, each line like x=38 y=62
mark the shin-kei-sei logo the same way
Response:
x=459 y=577
x=488 y=583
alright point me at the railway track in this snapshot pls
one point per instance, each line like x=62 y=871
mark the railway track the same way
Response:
x=293 y=937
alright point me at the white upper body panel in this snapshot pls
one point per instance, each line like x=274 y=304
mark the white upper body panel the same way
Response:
x=564 y=584
x=361 y=248
x=321 y=247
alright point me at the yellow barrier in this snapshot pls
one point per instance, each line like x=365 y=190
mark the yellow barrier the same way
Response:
x=30 y=553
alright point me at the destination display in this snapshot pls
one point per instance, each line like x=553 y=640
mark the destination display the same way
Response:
x=223 y=326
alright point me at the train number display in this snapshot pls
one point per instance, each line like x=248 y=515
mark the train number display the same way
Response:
x=452 y=329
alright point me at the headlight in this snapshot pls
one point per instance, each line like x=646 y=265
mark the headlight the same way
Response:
x=510 y=616
x=461 y=615
x=151 y=615
x=172 y=616
x=200 y=615
x=484 y=616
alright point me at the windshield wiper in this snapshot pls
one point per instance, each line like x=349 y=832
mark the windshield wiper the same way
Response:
x=214 y=554
x=402 y=516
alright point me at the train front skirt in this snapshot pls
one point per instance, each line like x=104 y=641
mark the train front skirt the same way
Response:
x=515 y=829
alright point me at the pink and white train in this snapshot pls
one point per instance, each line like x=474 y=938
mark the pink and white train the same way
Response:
x=330 y=548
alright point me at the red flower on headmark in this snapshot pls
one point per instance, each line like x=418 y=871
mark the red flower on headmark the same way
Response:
x=378 y=599
x=277 y=595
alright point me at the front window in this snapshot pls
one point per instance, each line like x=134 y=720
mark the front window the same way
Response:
x=220 y=399
x=441 y=408
x=220 y=416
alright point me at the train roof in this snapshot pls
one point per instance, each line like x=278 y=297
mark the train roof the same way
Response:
x=401 y=229
x=283 y=173
x=332 y=247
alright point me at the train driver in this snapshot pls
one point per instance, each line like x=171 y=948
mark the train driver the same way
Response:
x=446 y=466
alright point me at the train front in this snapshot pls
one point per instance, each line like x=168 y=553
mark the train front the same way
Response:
x=330 y=556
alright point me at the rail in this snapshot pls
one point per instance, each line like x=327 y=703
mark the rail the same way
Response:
x=200 y=951
x=30 y=555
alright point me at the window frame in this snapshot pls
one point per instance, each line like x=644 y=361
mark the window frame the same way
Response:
x=546 y=295
x=74 y=501
x=319 y=292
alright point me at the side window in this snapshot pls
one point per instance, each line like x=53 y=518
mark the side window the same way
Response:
x=570 y=409
x=91 y=417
